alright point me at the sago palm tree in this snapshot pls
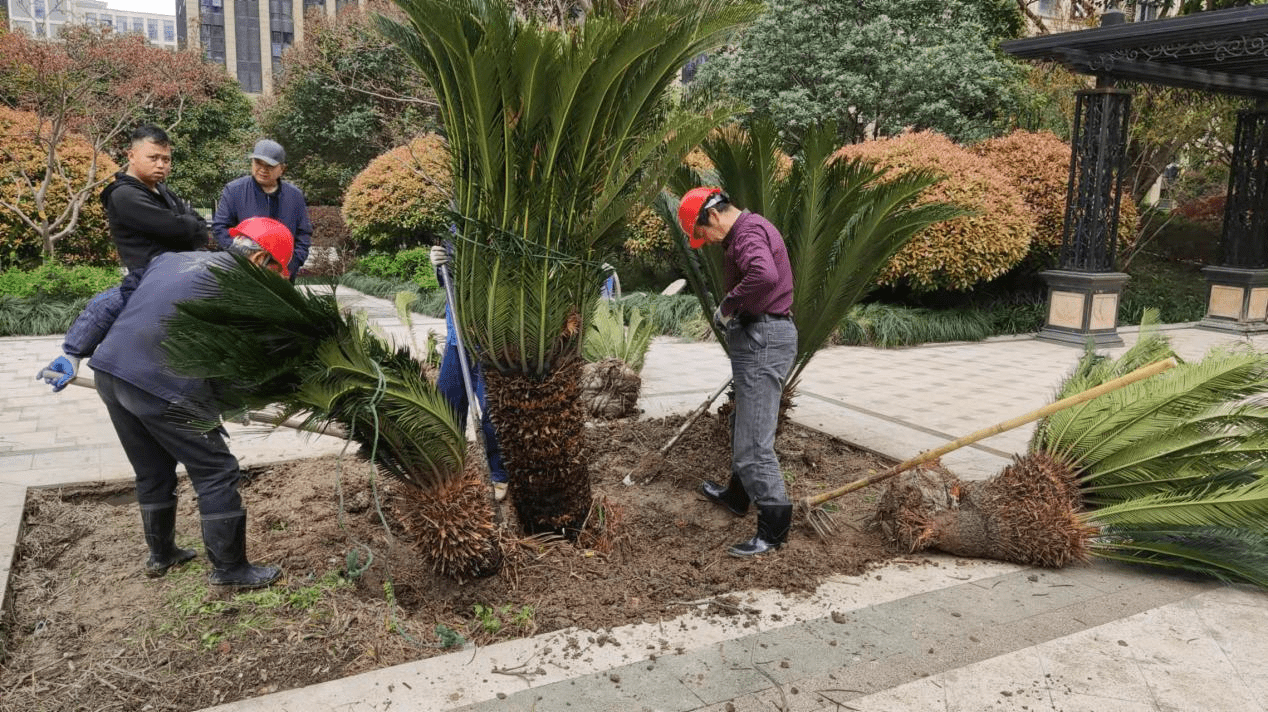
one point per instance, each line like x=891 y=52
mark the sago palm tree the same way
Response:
x=554 y=133
x=1169 y=472
x=267 y=343
x=841 y=222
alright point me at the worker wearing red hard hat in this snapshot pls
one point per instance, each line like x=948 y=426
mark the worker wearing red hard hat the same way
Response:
x=756 y=316
x=162 y=418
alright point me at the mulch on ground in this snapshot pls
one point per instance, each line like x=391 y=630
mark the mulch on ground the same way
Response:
x=87 y=630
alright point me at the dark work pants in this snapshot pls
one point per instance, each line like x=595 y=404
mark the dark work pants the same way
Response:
x=762 y=353
x=155 y=442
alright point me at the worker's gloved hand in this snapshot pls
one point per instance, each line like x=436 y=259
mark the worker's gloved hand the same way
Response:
x=720 y=320
x=60 y=372
x=439 y=256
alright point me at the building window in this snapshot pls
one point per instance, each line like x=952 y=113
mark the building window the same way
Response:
x=39 y=12
x=138 y=25
x=107 y=21
x=169 y=31
x=1146 y=11
x=90 y=18
x=250 y=69
x=152 y=27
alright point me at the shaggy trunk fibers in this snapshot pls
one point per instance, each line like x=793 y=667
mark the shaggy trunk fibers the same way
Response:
x=541 y=432
x=1027 y=514
x=453 y=524
x=609 y=389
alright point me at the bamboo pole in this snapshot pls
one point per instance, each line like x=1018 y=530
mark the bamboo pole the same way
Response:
x=809 y=503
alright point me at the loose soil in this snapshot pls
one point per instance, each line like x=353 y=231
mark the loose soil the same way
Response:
x=87 y=631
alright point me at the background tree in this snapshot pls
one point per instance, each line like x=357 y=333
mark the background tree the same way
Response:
x=95 y=84
x=348 y=95
x=20 y=246
x=210 y=141
x=874 y=68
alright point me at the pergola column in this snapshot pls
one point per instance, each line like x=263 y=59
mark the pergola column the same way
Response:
x=1237 y=299
x=1083 y=292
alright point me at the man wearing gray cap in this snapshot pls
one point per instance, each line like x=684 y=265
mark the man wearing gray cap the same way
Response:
x=264 y=194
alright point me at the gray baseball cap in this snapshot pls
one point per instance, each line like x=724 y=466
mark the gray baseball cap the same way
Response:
x=270 y=152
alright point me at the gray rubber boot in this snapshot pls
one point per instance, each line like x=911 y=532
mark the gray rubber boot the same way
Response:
x=225 y=537
x=159 y=522
x=773 y=523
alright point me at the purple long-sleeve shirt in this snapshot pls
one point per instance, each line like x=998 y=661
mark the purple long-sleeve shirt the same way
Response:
x=758 y=275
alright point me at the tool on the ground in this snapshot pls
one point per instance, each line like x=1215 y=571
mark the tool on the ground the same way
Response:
x=255 y=416
x=821 y=520
x=652 y=462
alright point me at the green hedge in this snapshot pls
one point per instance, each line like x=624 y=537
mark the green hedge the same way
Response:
x=412 y=265
x=55 y=280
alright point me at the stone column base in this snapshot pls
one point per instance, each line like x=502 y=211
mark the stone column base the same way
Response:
x=1237 y=299
x=1083 y=306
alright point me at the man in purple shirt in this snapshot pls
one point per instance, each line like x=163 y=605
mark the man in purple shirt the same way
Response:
x=756 y=316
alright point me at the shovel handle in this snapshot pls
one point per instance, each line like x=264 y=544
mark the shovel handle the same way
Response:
x=930 y=455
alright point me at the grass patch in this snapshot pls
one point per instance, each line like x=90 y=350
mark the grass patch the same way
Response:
x=198 y=613
x=38 y=316
x=1175 y=288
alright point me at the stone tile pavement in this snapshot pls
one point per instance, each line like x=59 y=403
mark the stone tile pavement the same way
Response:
x=949 y=635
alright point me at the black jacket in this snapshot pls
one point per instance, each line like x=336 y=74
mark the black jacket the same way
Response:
x=144 y=223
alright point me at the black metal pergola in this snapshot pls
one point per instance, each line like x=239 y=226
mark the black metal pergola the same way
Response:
x=1223 y=51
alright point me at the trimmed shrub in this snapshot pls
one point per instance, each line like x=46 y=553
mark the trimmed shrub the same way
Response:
x=1038 y=165
x=57 y=281
x=960 y=253
x=402 y=198
x=412 y=265
x=21 y=153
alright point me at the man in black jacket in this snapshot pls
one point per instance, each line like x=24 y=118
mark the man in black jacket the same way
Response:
x=146 y=218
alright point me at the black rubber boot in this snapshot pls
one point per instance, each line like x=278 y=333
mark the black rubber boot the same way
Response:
x=732 y=497
x=225 y=536
x=159 y=522
x=773 y=522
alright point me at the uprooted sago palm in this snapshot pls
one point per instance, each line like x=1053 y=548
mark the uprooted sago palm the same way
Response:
x=1170 y=472
x=271 y=344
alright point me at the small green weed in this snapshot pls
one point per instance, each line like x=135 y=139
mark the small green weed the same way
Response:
x=198 y=614
x=493 y=619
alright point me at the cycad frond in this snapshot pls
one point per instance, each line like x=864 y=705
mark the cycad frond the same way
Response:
x=266 y=342
x=1093 y=431
x=841 y=221
x=1233 y=555
x=1236 y=506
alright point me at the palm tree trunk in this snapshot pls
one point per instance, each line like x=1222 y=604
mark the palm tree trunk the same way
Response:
x=541 y=433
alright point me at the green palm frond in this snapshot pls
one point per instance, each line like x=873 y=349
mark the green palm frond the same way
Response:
x=1146 y=411
x=1232 y=555
x=1236 y=506
x=841 y=221
x=554 y=133
x=610 y=337
x=266 y=342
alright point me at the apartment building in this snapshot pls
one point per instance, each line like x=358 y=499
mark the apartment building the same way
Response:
x=45 y=18
x=248 y=36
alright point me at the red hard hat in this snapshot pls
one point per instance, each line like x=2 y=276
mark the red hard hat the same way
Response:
x=271 y=235
x=689 y=212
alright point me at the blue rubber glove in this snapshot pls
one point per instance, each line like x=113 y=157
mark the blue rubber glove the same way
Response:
x=67 y=366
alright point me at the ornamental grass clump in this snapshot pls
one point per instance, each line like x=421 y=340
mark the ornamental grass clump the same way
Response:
x=1038 y=165
x=960 y=253
x=401 y=199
